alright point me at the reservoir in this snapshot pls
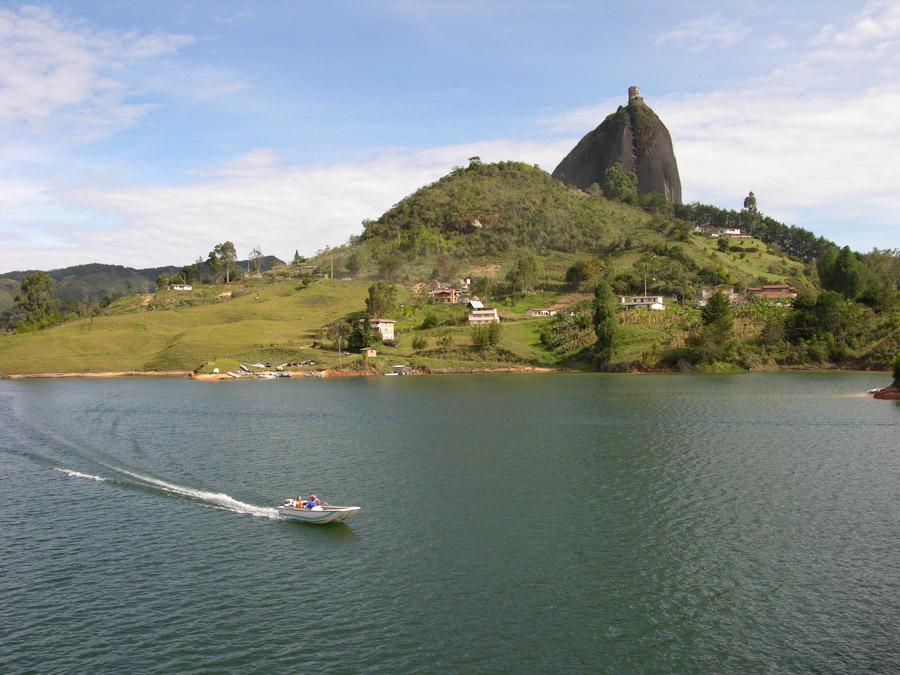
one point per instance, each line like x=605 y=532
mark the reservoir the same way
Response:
x=562 y=522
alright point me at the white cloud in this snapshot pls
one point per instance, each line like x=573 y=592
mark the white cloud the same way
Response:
x=710 y=30
x=252 y=200
x=61 y=74
x=817 y=139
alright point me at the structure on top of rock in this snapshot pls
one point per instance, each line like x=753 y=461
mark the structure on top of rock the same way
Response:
x=636 y=138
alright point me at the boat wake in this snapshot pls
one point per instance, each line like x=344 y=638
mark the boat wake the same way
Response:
x=216 y=499
x=77 y=474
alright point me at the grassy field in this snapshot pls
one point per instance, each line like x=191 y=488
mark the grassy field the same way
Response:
x=280 y=324
x=278 y=319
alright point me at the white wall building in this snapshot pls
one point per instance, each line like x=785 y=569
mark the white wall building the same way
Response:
x=645 y=301
x=384 y=326
x=482 y=317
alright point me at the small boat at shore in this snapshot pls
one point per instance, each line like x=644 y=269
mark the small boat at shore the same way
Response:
x=318 y=515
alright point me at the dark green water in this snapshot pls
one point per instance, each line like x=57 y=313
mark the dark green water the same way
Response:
x=511 y=523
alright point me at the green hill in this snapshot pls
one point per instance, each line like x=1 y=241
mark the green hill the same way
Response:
x=95 y=281
x=483 y=222
x=496 y=211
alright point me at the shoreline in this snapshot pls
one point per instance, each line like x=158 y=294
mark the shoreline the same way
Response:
x=97 y=375
x=450 y=370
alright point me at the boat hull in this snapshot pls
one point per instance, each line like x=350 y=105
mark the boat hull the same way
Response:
x=328 y=514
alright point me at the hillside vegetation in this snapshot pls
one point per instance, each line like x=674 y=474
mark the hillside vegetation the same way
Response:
x=526 y=241
x=493 y=212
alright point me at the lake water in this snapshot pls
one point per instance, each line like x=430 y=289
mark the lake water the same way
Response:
x=510 y=523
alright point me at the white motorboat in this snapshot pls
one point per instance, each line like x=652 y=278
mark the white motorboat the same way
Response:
x=319 y=515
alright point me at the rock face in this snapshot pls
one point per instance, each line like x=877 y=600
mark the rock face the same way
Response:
x=633 y=136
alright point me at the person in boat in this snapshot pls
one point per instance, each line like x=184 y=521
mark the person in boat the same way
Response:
x=312 y=502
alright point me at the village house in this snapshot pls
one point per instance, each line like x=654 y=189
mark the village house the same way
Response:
x=709 y=291
x=368 y=353
x=443 y=296
x=731 y=233
x=384 y=327
x=645 y=301
x=475 y=303
x=482 y=317
x=531 y=313
x=773 y=292
x=180 y=287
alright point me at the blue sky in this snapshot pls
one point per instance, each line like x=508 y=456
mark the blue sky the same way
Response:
x=143 y=133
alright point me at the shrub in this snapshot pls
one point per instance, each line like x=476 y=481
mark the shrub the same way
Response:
x=419 y=343
x=486 y=337
x=430 y=321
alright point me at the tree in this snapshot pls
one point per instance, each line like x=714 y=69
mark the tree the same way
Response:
x=37 y=298
x=355 y=262
x=419 y=343
x=255 y=261
x=446 y=268
x=606 y=321
x=578 y=273
x=714 y=340
x=222 y=258
x=483 y=287
x=389 y=265
x=190 y=273
x=722 y=244
x=486 y=337
x=525 y=272
x=360 y=337
x=298 y=259
x=845 y=276
x=619 y=185
x=162 y=282
x=382 y=298
x=750 y=204
x=896 y=365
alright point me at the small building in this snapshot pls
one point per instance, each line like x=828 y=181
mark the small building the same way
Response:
x=368 y=353
x=443 y=296
x=709 y=291
x=731 y=233
x=642 y=301
x=384 y=327
x=483 y=317
x=532 y=313
x=180 y=287
x=401 y=369
x=475 y=303
x=773 y=292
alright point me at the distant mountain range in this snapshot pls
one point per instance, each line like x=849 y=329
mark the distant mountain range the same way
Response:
x=94 y=281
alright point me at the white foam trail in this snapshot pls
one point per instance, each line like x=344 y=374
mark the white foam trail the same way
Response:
x=78 y=474
x=218 y=499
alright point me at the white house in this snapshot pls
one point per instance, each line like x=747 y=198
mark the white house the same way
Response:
x=709 y=291
x=731 y=233
x=180 y=287
x=385 y=327
x=646 y=301
x=531 y=313
x=482 y=317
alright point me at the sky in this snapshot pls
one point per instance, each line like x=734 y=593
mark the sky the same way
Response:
x=144 y=133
